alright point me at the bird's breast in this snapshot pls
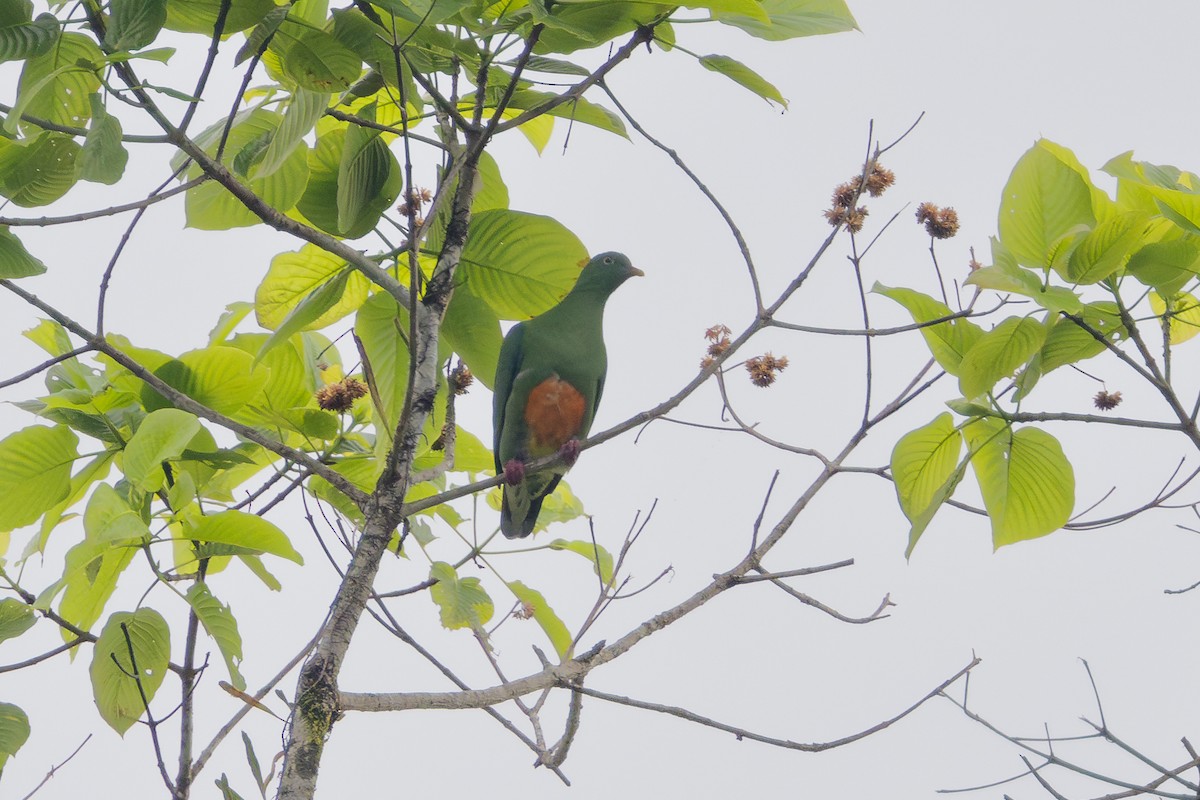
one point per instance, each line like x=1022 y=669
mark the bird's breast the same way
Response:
x=553 y=415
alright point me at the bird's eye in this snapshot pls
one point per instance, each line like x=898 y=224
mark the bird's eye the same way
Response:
x=607 y=260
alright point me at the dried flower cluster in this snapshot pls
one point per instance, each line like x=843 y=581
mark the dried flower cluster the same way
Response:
x=440 y=442
x=461 y=379
x=417 y=198
x=941 y=223
x=718 y=343
x=525 y=611
x=843 y=212
x=340 y=396
x=1106 y=400
x=764 y=368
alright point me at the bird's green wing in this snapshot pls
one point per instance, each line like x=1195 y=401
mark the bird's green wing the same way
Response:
x=507 y=368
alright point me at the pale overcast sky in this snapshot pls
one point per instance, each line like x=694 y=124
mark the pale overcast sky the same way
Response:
x=1098 y=77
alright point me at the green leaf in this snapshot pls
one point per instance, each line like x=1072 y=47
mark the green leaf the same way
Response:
x=739 y=72
x=1028 y=485
x=923 y=461
x=1106 y=250
x=316 y=60
x=472 y=330
x=140 y=637
x=220 y=377
x=103 y=157
x=1006 y=276
x=109 y=518
x=462 y=602
x=948 y=341
x=21 y=38
x=227 y=791
x=520 y=264
x=210 y=206
x=1068 y=343
x=577 y=110
x=319 y=205
x=303 y=110
x=363 y=173
x=1167 y=265
x=200 y=16
x=1184 y=315
x=240 y=529
x=998 y=353
x=39 y=172
x=218 y=620
x=257 y=39
x=581 y=26
x=1044 y=200
x=35 y=472
x=309 y=310
x=15 y=618
x=162 y=436
x=14 y=731
x=382 y=327
x=55 y=85
x=543 y=614
x=602 y=560
x=133 y=24
x=294 y=277
x=790 y=19
x=15 y=260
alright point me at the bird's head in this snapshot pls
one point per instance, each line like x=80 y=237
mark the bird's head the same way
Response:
x=605 y=272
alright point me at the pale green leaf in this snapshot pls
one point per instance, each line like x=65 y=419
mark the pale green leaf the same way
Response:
x=218 y=620
x=108 y=518
x=543 y=614
x=790 y=19
x=602 y=560
x=308 y=310
x=162 y=436
x=314 y=59
x=1107 y=248
x=739 y=72
x=1028 y=485
x=200 y=16
x=1044 y=200
x=998 y=353
x=1184 y=315
x=249 y=531
x=461 y=602
x=319 y=204
x=294 y=276
x=922 y=462
x=35 y=472
x=16 y=617
x=303 y=110
x=140 y=637
x=948 y=341
x=363 y=173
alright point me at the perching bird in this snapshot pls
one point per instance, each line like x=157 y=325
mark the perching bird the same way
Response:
x=548 y=384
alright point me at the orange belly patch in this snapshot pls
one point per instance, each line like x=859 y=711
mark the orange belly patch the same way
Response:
x=553 y=414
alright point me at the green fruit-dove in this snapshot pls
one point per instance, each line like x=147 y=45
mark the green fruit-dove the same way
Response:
x=548 y=384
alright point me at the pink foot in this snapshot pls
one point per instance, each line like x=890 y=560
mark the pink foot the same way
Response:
x=514 y=472
x=570 y=451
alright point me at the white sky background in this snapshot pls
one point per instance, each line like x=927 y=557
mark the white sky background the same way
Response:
x=1098 y=77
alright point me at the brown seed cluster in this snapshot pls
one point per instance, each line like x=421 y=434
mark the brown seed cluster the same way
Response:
x=461 y=379
x=525 y=611
x=340 y=396
x=844 y=212
x=1106 y=400
x=764 y=368
x=718 y=343
x=941 y=223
